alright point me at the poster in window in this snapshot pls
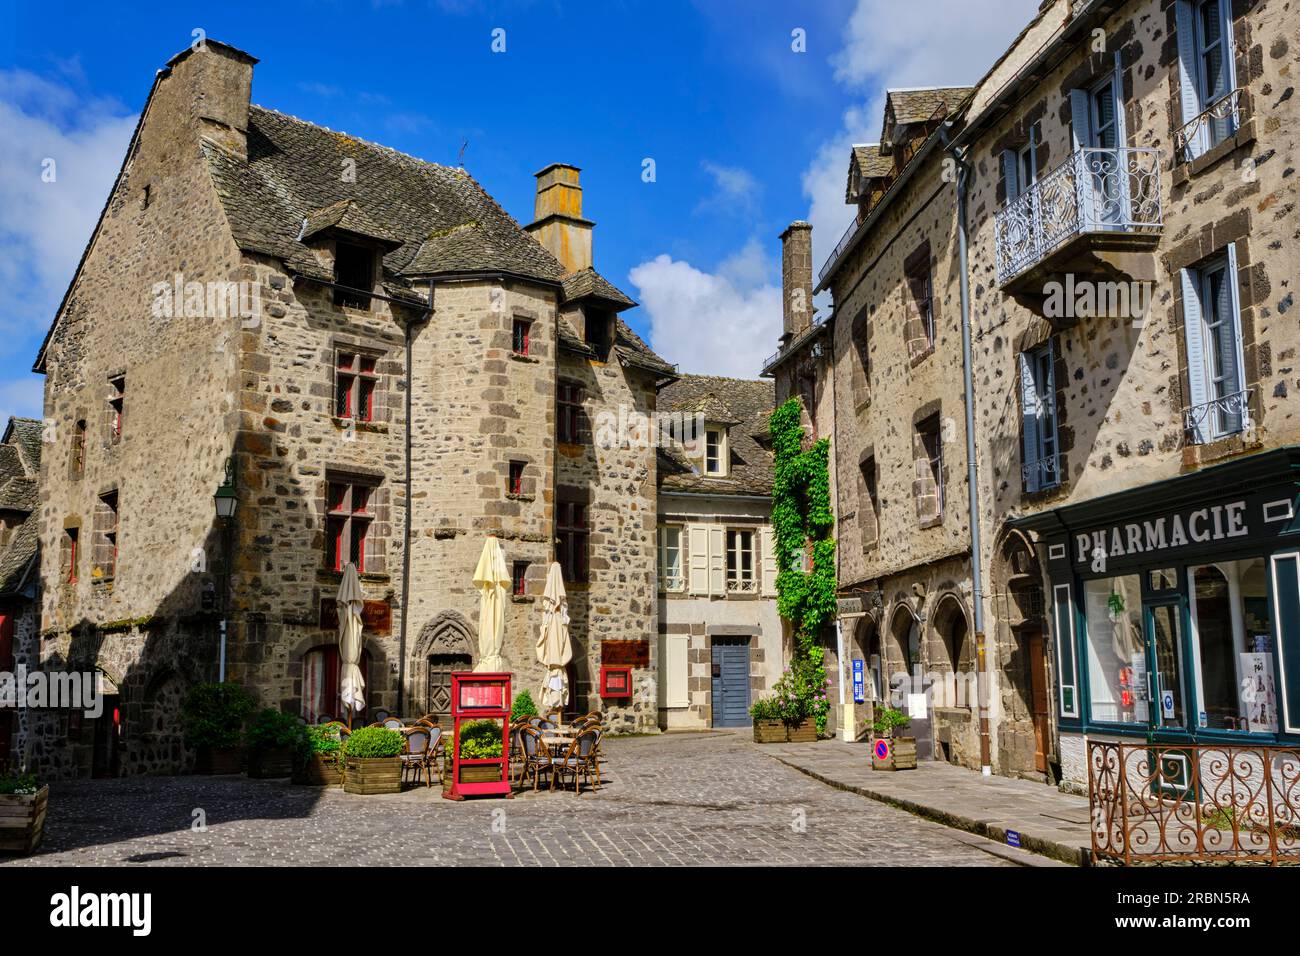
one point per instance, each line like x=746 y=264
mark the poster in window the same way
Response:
x=615 y=681
x=1258 y=693
x=480 y=694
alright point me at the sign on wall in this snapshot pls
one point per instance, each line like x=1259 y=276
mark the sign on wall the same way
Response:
x=376 y=616
x=625 y=653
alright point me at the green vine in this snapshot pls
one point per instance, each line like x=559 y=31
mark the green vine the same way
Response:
x=802 y=515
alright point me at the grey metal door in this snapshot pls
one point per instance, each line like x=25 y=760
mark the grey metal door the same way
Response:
x=731 y=682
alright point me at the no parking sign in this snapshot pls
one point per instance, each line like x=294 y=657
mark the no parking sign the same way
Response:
x=882 y=749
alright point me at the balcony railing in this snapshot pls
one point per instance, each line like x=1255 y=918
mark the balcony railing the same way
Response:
x=1218 y=417
x=1217 y=122
x=1185 y=802
x=742 y=586
x=818 y=321
x=1094 y=191
x=1041 y=474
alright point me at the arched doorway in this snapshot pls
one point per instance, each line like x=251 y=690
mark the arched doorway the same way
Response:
x=1024 y=732
x=953 y=654
x=321 y=691
x=445 y=644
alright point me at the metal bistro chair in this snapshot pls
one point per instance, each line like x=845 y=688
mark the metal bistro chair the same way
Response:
x=392 y=723
x=417 y=752
x=516 y=746
x=381 y=716
x=537 y=756
x=578 y=761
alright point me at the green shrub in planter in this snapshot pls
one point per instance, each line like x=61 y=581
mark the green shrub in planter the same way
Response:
x=523 y=706
x=19 y=784
x=480 y=740
x=275 y=730
x=213 y=716
x=887 y=720
x=371 y=742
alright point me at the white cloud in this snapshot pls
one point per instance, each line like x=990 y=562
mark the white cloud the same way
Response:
x=44 y=226
x=735 y=190
x=22 y=396
x=719 y=324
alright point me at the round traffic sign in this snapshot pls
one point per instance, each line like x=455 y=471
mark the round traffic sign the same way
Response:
x=882 y=749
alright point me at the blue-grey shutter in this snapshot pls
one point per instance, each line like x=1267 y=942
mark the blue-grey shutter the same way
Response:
x=1011 y=173
x=1080 y=118
x=1029 y=411
x=1081 y=132
x=1189 y=83
x=1230 y=348
x=1198 y=386
x=1229 y=45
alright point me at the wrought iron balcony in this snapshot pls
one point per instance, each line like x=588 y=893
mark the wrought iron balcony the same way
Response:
x=1042 y=474
x=1102 y=193
x=1218 y=417
x=1216 y=123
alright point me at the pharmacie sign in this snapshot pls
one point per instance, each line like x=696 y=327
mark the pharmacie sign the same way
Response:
x=1221 y=525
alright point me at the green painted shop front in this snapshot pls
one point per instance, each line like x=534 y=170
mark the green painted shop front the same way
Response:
x=1175 y=607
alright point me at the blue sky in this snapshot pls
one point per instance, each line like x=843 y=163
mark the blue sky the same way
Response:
x=746 y=133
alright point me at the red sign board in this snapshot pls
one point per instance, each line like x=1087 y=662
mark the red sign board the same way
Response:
x=625 y=653
x=475 y=696
x=376 y=616
x=615 y=681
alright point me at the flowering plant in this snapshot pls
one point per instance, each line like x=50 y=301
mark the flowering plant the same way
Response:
x=800 y=693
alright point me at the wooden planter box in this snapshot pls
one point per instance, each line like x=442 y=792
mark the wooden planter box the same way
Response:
x=902 y=755
x=481 y=774
x=22 y=821
x=224 y=760
x=270 y=764
x=322 y=770
x=779 y=732
x=373 y=775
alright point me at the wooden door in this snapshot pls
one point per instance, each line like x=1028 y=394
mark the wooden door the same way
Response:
x=438 y=687
x=1038 y=701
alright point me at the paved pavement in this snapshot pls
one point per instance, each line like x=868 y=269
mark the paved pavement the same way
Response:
x=1048 y=821
x=670 y=800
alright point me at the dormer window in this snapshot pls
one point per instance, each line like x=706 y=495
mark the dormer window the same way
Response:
x=354 y=268
x=715 y=452
x=596 y=330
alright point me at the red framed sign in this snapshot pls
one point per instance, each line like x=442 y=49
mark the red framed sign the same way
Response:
x=615 y=682
x=479 y=698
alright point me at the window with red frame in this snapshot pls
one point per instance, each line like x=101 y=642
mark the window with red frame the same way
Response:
x=68 y=558
x=79 y=448
x=347 y=521
x=515 y=483
x=569 y=413
x=105 y=546
x=519 y=338
x=321 y=684
x=571 y=540
x=355 y=385
x=518 y=578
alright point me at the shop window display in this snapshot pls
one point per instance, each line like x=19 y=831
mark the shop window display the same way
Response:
x=1234 y=649
x=1117 y=678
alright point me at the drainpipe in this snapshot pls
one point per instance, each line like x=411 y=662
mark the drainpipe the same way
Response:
x=972 y=488
x=406 y=518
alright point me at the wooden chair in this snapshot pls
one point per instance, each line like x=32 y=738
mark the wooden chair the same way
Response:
x=417 y=752
x=578 y=761
x=555 y=716
x=537 y=756
x=392 y=723
x=431 y=719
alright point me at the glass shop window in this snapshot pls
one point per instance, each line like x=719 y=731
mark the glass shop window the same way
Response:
x=1233 y=631
x=1117 y=661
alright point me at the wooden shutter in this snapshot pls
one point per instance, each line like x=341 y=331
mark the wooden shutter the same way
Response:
x=768 y=562
x=698 y=566
x=1011 y=173
x=1230 y=348
x=674 y=683
x=1080 y=119
x=1029 y=411
x=1198 y=386
x=717 y=560
x=1189 y=84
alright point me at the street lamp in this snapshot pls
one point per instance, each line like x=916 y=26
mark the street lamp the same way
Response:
x=223 y=501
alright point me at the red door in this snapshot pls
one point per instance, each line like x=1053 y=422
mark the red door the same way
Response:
x=6 y=664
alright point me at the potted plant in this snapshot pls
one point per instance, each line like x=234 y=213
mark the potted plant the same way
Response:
x=897 y=753
x=212 y=719
x=23 y=801
x=523 y=706
x=372 y=761
x=480 y=740
x=324 y=764
x=277 y=744
x=789 y=714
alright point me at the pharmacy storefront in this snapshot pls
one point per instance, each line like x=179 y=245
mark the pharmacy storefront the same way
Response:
x=1175 y=609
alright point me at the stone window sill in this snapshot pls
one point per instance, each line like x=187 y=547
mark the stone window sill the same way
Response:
x=324 y=574
x=522 y=598
x=930 y=522
x=526 y=359
x=1240 y=140
x=380 y=428
x=921 y=356
x=510 y=496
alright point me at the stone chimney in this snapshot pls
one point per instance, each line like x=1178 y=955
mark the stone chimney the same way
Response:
x=219 y=81
x=796 y=278
x=557 y=217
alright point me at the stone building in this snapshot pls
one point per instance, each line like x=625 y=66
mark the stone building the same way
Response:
x=20 y=467
x=394 y=370
x=1119 y=179
x=720 y=636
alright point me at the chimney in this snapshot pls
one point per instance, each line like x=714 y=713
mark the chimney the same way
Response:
x=557 y=217
x=796 y=278
x=220 y=83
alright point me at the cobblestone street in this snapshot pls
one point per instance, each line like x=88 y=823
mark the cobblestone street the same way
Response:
x=672 y=800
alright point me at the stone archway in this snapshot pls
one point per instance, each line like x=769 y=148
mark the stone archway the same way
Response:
x=952 y=652
x=1025 y=735
x=446 y=643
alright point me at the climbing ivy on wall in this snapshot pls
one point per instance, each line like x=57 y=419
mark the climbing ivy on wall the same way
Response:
x=801 y=514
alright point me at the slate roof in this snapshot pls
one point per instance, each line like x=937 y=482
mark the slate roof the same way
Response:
x=344 y=216
x=632 y=349
x=20 y=461
x=917 y=106
x=747 y=405
x=590 y=284
x=445 y=222
x=865 y=163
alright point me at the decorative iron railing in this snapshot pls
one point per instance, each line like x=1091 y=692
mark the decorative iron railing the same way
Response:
x=742 y=585
x=1218 y=417
x=1094 y=191
x=1183 y=802
x=1041 y=474
x=1214 y=124
x=798 y=340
